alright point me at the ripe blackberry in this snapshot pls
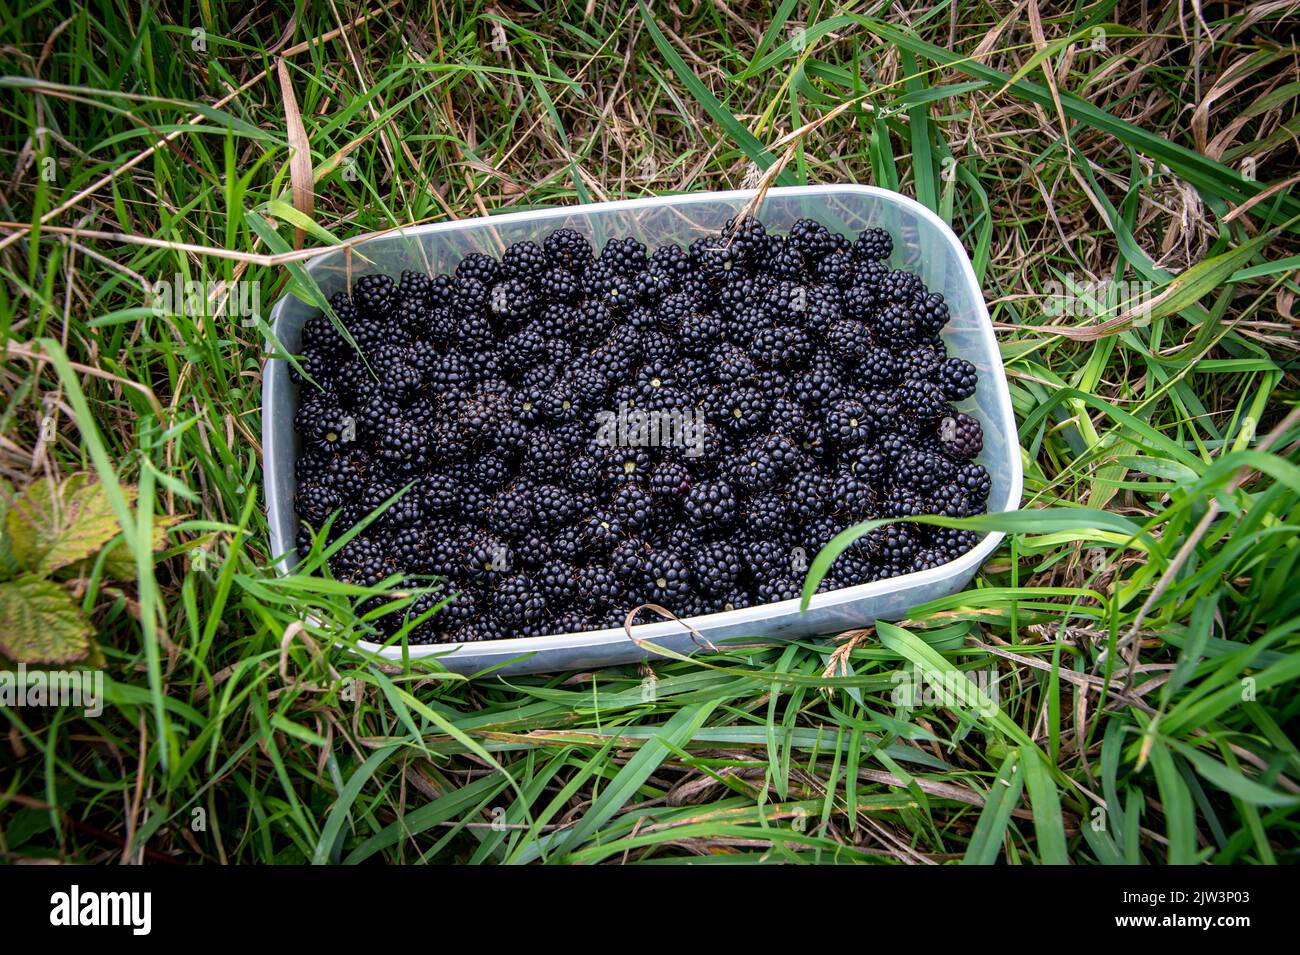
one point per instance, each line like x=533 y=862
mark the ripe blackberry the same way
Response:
x=778 y=588
x=961 y=437
x=873 y=245
x=860 y=301
x=487 y=559
x=852 y=497
x=591 y=321
x=974 y=480
x=950 y=500
x=665 y=578
x=510 y=302
x=320 y=334
x=785 y=259
x=568 y=249
x=809 y=493
x=517 y=601
x=922 y=470
x=923 y=400
x=953 y=541
x=868 y=462
x=751 y=468
x=904 y=501
x=836 y=268
x=314 y=503
x=558 y=285
x=711 y=504
x=739 y=408
x=670 y=480
x=811 y=238
x=626 y=255
x=480 y=267
x=850 y=340
x=700 y=332
x=818 y=386
x=931 y=313
x=401 y=441
x=715 y=258
x=526 y=261
x=929 y=558
x=893 y=544
x=786 y=347
x=748 y=238
x=552 y=505
x=767 y=514
x=652 y=285
x=735 y=600
x=716 y=568
x=899 y=287
x=847 y=423
x=374 y=295
x=958 y=378
x=894 y=325
x=672 y=259
x=363 y=561
x=633 y=505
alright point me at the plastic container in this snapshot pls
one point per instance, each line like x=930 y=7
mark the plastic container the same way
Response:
x=923 y=243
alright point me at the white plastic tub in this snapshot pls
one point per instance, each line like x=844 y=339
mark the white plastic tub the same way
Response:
x=923 y=243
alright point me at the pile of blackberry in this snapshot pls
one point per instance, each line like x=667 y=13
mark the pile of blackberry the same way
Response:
x=527 y=406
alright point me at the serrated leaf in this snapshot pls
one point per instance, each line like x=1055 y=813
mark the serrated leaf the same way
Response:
x=40 y=622
x=119 y=562
x=50 y=527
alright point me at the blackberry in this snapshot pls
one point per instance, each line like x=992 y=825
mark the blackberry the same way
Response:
x=362 y=561
x=953 y=541
x=922 y=470
x=748 y=238
x=868 y=462
x=931 y=313
x=510 y=302
x=836 y=268
x=786 y=260
x=877 y=367
x=740 y=408
x=716 y=568
x=778 y=588
x=517 y=601
x=929 y=558
x=958 y=378
x=314 y=503
x=526 y=261
x=894 y=325
x=568 y=249
x=764 y=558
x=670 y=479
x=480 y=267
x=767 y=514
x=711 y=504
x=899 y=287
x=626 y=255
x=852 y=497
x=923 y=400
x=666 y=579
x=961 y=437
x=808 y=496
x=782 y=347
x=974 y=480
x=715 y=258
x=487 y=559
x=811 y=238
x=374 y=295
x=700 y=331
x=950 y=500
x=633 y=505
x=552 y=505
x=904 y=501
x=860 y=301
x=873 y=245
x=401 y=441
x=847 y=423
x=752 y=468
x=893 y=544
x=818 y=386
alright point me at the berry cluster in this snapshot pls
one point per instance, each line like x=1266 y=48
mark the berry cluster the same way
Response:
x=564 y=436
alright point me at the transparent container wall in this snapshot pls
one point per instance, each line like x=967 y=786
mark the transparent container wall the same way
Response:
x=922 y=244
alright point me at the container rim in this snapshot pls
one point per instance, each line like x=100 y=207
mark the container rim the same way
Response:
x=498 y=652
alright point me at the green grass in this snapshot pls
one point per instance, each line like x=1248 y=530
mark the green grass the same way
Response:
x=1141 y=616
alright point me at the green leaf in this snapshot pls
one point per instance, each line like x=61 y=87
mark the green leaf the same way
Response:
x=986 y=841
x=52 y=526
x=40 y=622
